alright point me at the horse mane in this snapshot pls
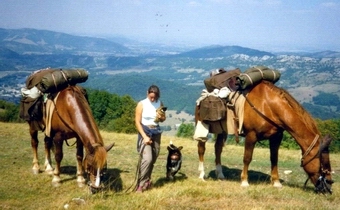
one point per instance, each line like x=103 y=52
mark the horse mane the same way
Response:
x=97 y=149
x=300 y=111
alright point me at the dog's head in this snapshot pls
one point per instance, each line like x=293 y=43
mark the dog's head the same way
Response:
x=174 y=161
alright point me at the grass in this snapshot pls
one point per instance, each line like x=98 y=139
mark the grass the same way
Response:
x=20 y=189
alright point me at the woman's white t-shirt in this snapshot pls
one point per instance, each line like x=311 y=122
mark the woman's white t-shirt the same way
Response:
x=149 y=111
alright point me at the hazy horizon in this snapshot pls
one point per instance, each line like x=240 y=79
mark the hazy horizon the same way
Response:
x=270 y=25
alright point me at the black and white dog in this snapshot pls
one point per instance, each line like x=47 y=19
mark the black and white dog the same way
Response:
x=174 y=161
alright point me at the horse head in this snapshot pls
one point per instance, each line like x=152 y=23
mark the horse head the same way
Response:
x=321 y=178
x=95 y=165
x=324 y=182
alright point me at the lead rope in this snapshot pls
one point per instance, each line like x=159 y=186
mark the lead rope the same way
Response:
x=135 y=182
x=308 y=150
x=321 y=178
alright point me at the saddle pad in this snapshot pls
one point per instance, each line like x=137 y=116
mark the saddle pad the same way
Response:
x=237 y=101
x=48 y=114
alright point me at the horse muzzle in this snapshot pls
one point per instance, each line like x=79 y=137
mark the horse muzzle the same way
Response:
x=323 y=185
x=95 y=182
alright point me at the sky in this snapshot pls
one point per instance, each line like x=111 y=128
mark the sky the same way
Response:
x=274 y=25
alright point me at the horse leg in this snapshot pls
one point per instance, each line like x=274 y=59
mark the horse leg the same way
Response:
x=34 y=144
x=220 y=139
x=274 y=144
x=201 y=151
x=48 y=161
x=249 y=145
x=80 y=169
x=58 y=143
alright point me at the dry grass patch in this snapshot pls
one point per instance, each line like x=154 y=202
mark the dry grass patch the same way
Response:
x=20 y=189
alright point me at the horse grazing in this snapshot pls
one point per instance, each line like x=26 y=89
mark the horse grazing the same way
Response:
x=71 y=118
x=268 y=111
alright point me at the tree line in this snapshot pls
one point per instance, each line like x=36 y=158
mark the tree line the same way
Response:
x=110 y=111
x=116 y=113
x=331 y=127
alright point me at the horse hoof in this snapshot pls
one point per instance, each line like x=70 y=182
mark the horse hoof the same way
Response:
x=56 y=181
x=56 y=184
x=202 y=175
x=277 y=184
x=49 y=172
x=244 y=184
x=81 y=179
x=48 y=169
x=35 y=171
x=170 y=178
x=202 y=178
x=219 y=173
x=81 y=184
x=221 y=177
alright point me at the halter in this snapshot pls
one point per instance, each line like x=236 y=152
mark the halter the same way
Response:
x=322 y=185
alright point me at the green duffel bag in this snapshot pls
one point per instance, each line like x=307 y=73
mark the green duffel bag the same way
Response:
x=255 y=75
x=59 y=79
x=35 y=78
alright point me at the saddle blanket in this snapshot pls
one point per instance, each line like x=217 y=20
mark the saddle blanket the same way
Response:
x=235 y=112
x=50 y=106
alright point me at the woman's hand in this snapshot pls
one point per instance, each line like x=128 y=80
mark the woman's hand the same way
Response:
x=147 y=140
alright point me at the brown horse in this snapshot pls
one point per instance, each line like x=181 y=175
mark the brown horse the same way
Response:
x=72 y=118
x=268 y=111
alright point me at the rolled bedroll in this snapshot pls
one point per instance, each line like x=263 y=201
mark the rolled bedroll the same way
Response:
x=255 y=75
x=59 y=79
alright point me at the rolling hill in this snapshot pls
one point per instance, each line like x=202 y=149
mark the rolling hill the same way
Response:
x=313 y=78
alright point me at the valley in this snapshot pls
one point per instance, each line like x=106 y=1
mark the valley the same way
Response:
x=313 y=78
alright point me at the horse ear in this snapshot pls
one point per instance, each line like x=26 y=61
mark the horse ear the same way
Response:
x=326 y=142
x=109 y=147
x=180 y=148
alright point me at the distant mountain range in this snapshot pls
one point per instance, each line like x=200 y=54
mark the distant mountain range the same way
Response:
x=223 y=51
x=32 y=41
x=128 y=67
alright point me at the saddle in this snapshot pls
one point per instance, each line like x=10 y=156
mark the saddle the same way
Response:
x=212 y=111
x=213 y=108
x=42 y=83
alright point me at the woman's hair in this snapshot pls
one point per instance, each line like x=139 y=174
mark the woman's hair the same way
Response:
x=154 y=89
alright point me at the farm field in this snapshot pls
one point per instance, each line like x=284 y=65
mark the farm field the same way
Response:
x=20 y=189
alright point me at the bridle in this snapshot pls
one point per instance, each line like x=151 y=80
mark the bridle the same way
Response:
x=323 y=185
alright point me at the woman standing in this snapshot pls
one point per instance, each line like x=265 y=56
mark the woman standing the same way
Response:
x=149 y=135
